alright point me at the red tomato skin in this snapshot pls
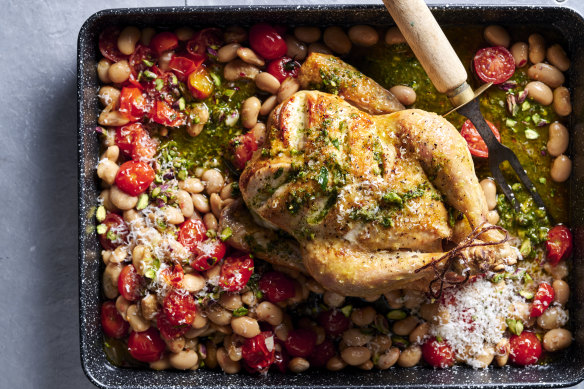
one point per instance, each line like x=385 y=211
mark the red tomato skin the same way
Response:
x=542 y=300
x=182 y=66
x=334 y=322
x=132 y=103
x=236 y=272
x=437 y=354
x=174 y=276
x=207 y=37
x=322 y=353
x=494 y=64
x=200 y=83
x=279 y=68
x=256 y=353
x=164 y=114
x=265 y=41
x=169 y=330
x=179 y=308
x=108 y=44
x=163 y=41
x=191 y=233
x=134 y=177
x=525 y=349
x=135 y=142
x=559 y=244
x=277 y=286
x=115 y=221
x=210 y=252
x=146 y=346
x=281 y=357
x=300 y=342
x=129 y=283
x=112 y=322
x=136 y=60
x=243 y=149
x=476 y=144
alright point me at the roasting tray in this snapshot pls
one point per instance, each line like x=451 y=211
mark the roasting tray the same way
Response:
x=566 y=17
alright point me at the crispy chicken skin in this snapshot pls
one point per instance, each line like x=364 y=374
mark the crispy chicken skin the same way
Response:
x=364 y=196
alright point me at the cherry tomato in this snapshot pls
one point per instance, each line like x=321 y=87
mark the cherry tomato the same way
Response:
x=183 y=66
x=494 y=64
x=169 y=330
x=146 y=346
x=322 y=353
x=163 y=41
x=210 y=252
x=243 y=149
x=559 y=244
x=200 y=83
x=135 y=142
x=265 y=41
x=108 y=44
x=136 y=60
x=284 y=67
x=281 y=357
x=191 y=233
x=542 y=300
x=208 y=37
x=129 y=283
x=525 y=349
x=112 y=322
x=300 y=342
x=258 y=352
x=134 y=177
x=437 y=353
x=334 y=322
x=132 y=103
x=236 y=272
x=476 y=144
x=164 y=114
x=277 y=286
x=116 y=232
x=179 y=308
x=173 y=275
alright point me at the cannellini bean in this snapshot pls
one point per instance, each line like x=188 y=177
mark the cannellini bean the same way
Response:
x=137 y=322
x=318 y=47
x=289 y=86
x=122 y=306
x=497 y=36
x=149 y=307
x=335 y=38
x=161 y=364
x=249 y=111
x=354 y=337
x=112 y=118
x=184 y=359
x=192 y=185
x=493 y=217
x=314 y=286
x=200 y=320
x=553 y=317
x=363 y=35
x=216 y=204
x=173 y=215
x=558 y=140
x=245 y=326
x=121 y=199
x=200 y=202
x=184 y=33
x=561 y=291
x=128 y=39
x=119 y=71
x=307 y=34
x=388 y=359
x=362 y=317
x=393 y=36
x=540 y=92
x=410 y=356
x=298 y=365
x=296 y=49
x=558 y=272
x=268 y=105
x=141 y=255
x=103 y=70
x=228 y=52
x=405 y=94
x=380 y=343
x=536 y=48
x=405 y=326
x=520 y=52
x=213 y=273
x=548 y=74
x=219 y=315
x=249 y=56
x=490 y=191
x=394 y=298
x=112 y=153
x=333 y=299
x=266 y=82
x=185 y=203
x=561 y=103
x=210 y=221
x=104 y=196
x=249 y=299
x=484 y=359
x=561 y=168
x=557 y=339
x=193 y=283
x=335 y=364
x=268 y=312
x=235 y=34
x=109 y=95
x=237 y=69
x=165 y=59
x=413 y=298
x=227 y=191
x=355 y=356
x=430 y=312
x=146 y=35
x=419 y=333
x=502 y=350
x=367 y=365
x=230 y=301
x=107 y=171
x=557 y=56
x=227 y=365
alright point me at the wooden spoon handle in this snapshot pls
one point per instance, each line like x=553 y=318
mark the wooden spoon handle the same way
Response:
x=430 y=45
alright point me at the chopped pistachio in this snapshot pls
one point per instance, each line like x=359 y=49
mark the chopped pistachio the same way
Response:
x=525 y=106
x=225 y=234
x=510 y=122
x=150 y=273
x=149 y=74
x=347 y=309
x=156 y=192
x=241 y=311
x=527 y=294
x=216 y=79
x=182 y=175
x=525 y=249
x=147 y=63
x=181 y=104
x=159 y=84
x=396 y=314
x=101 y=229
x=142 y=201
x=100 y=214
x=542 y=180
x=531 y=134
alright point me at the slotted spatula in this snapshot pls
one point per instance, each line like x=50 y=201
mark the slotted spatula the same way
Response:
x=433 y=50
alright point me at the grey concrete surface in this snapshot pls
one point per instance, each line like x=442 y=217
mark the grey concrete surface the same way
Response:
x=39 y=341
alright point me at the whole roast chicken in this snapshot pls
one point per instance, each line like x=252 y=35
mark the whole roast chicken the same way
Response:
x=362 y=201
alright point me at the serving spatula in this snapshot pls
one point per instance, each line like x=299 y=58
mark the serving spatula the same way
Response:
x=439 y=60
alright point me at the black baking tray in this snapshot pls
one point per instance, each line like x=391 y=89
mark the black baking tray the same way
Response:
x=567 y=21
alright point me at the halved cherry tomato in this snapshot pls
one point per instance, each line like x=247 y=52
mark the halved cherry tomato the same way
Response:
x=183 y=66
x=236 y=272
x=136 y=60
x=476 y=144
x=559 y=244
x=200 y=83
x=494 y=64
x=169 y=330
x=300 y=342
x=334 y=322
x=209 y=252
x=243 y=149
x=542 y=300
x=164 y=114
x=132 y=103
x=116 y=232
x=134 y=177
x=265 y=40
x=283 y=68
x=146 y=346
x=208 y=37
x=191 y=233
x=437 y=354
x=277 y=286
x=112 y=322
x=525 y=349
x=108 y=44
x=179 y=308
x=163 y=41
x=173 y=275
x=129 y=283
x=258 y=352
x=135 y=142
